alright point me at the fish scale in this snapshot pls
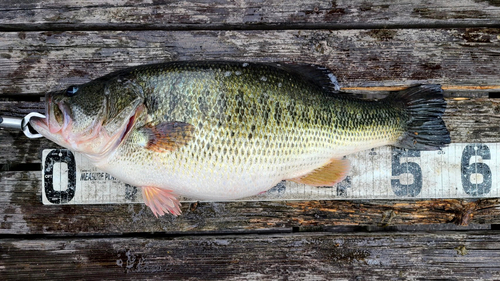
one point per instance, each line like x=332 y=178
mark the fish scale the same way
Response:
x=226 y=130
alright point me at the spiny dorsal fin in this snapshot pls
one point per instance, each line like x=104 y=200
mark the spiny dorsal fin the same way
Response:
x=317 y=74
x=167 y=136
x=330 y=174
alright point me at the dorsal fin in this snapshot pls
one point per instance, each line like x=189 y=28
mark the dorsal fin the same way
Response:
x=317 y=74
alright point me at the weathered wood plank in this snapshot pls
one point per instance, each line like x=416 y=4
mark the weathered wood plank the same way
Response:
x=38 y=58
x=21 y=212
x=303 y=256
x=469 y=121
x=121 y=14
x=34 y=62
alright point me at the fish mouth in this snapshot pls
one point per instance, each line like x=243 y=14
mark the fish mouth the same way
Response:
x=59 y=119
x=39 y=124
x=43 y=125
x=56 y=117
x=55 y=123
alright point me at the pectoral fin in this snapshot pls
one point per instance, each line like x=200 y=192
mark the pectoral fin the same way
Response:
x=327 y=175
x=161 y=201
x=168 y=136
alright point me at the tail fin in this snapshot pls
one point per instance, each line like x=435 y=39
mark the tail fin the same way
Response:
x=424 y=105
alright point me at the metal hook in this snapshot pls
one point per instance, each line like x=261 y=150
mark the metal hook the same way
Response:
x=21 y=124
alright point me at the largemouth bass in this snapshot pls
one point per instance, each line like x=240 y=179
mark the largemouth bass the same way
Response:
x=227 y=130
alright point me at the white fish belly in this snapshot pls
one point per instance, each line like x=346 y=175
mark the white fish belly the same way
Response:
x=213 y=179
x=206 y=181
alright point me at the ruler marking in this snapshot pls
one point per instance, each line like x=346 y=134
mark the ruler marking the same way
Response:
x=450 y=152
x=382 y=173
x=494 y=161
x=476 y=160
x=388 y=192
x=445 y=171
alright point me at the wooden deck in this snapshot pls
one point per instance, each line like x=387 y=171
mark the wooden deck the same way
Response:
x=371 y=46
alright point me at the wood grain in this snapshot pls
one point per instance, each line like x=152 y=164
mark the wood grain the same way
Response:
x=21 y=212
x=48 y=45
x=253 y=14
x=304 y=256
x=36 y=62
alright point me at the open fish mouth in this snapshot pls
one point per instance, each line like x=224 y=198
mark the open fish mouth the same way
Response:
x=52 y=123
x=58 y=118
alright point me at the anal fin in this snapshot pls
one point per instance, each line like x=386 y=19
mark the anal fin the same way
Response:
x=328 y=175
x=161 y=201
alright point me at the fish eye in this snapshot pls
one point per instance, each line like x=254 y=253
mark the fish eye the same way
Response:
x=71 y=91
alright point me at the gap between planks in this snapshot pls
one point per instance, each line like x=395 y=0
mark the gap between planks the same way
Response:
x=62 y=27
x=444 y=87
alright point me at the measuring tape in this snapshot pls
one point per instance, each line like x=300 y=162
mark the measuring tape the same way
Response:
x=461 y=170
